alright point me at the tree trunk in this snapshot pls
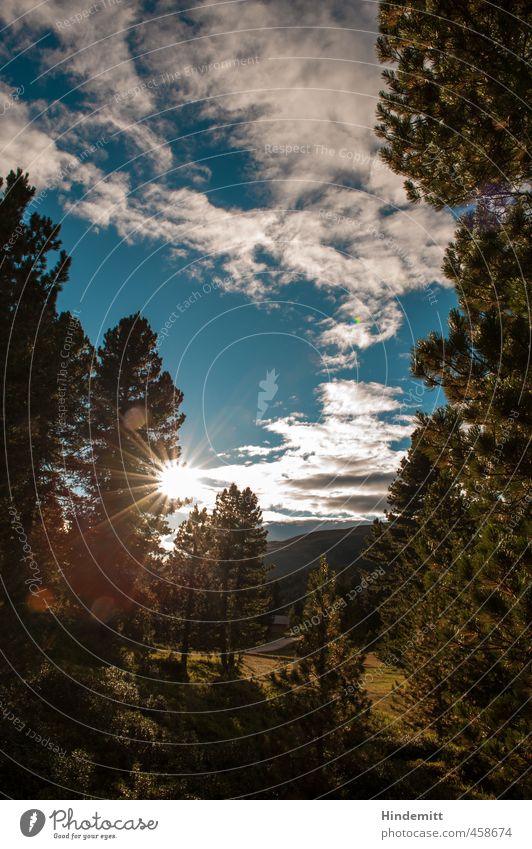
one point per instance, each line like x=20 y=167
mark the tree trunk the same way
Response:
x=187 y=627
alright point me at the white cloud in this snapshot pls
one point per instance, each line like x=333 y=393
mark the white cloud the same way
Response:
x=327 y=216
x=23 y=143
x=345 y=398
x=298 y=83
x=333 y=469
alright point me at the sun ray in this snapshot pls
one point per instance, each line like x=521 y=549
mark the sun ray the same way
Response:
x=178 y=481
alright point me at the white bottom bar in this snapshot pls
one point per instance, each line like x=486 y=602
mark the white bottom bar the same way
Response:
x=263 y=825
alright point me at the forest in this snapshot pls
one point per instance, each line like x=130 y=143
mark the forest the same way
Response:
x=125 y=668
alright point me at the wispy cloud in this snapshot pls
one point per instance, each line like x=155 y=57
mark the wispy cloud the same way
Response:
x=283 y=88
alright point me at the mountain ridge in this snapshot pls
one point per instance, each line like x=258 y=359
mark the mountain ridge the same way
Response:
x=292 y=559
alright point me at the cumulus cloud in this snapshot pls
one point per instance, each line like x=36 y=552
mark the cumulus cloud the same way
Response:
x=335 y=469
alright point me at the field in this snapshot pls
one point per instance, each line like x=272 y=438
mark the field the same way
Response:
x=379 y=680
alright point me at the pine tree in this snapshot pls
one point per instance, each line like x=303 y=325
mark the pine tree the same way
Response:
x=189 y=570
x=454 y=125
x=30 y=347
x=45 y=365
x=454 y=117
x=426 y=527
x=135 y=420
x=482 y=365
x=392 y=545
x=239 y=548
x=465 y=545
x=324 y=696
x=483 y=369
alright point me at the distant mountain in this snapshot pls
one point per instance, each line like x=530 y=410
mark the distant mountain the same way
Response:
x=292 y=558
x=283 y=531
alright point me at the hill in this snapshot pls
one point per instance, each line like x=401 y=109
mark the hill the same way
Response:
x=293 y=558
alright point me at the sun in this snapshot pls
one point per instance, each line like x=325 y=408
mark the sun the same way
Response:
x=178 y=481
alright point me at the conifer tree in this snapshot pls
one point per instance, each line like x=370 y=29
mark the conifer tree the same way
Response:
x=45 y=368
x=324 y=694
x=466 y=544
x=189 y=572
x=30 y=347
x=483 y=364
x=135 y=419
x=454 y=116
x=419 y=548
x=239 y=548
x=455 y=127
x=484 y=370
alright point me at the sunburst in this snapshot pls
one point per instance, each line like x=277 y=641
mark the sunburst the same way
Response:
x=178 y=481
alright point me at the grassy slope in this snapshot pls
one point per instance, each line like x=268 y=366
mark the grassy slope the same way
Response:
x=379 y=680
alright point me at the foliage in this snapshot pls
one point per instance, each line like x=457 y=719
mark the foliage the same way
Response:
x=454 y=115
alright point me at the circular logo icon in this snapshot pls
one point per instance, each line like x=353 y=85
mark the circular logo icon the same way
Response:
x=32 y=822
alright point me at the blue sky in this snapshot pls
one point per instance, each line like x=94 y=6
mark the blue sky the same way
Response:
x=215 y=168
